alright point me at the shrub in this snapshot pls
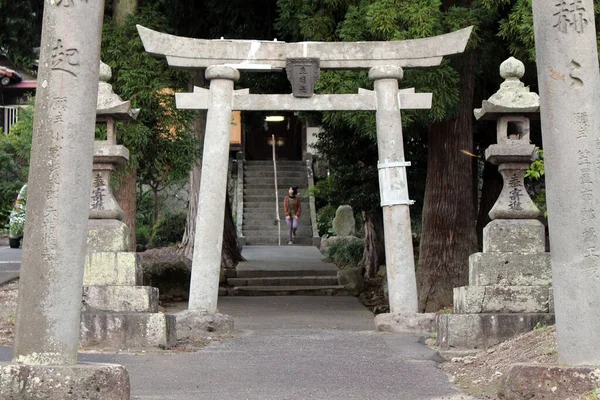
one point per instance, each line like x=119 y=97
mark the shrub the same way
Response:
x=169 y=229
x=143 y=234
x=325 y=217
x=346 y=253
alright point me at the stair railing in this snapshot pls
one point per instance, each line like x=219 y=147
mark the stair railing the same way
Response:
x=276 y=192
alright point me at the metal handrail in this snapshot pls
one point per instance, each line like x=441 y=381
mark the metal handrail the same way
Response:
x=276 y=192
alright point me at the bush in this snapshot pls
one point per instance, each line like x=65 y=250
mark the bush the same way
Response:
x=143 y=234
x=346 y=253
x=169 y=229
x=325 y=217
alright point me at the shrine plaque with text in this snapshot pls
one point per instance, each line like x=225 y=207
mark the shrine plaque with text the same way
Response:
x=302 y=73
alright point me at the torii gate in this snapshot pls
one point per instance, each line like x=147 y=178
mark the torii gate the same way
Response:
x=222 y=60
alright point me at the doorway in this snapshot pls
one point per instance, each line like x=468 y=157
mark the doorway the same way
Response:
x=258 y=139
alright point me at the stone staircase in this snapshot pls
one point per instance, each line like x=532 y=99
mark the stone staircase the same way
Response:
x=259 y=223
x=285 y=283
x=283 y=271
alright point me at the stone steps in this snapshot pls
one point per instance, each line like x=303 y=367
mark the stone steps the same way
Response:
x=259 y=224
x=272 y=240
x=271 y=230
x=258 y=180
x=249 y=173
x=265 y=273
x=269 y=163
x=285 y=281
x=336 y=290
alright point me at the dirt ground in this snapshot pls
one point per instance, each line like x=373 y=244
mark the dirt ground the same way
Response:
x=478 y=375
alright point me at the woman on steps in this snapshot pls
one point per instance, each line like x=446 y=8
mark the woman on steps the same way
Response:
x=292 y=208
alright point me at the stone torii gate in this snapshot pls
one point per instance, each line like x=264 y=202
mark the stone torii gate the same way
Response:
x=224 y=58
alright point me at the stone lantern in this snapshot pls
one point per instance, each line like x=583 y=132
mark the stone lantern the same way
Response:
x=117 y=312
x=108 y=155
x=509 y=282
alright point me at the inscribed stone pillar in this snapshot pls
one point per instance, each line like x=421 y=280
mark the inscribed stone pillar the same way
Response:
x=399 y=256
x=569 y=86
x=208 y=242
x=48 y=314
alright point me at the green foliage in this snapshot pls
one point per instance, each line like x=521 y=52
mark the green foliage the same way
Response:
x=536 y=169
x=15 y=148
x=592 y=394
x=17 y=215
x=540 y=327
x=162 y=147
x=21 y=23
x=535 y=175
x=169 y=229
x=346 y=253
x=446 y=310
x=143 y=236
x=325 y=217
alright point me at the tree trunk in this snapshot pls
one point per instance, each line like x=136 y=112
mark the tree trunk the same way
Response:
x=122 y=8
x=374 y=254
x=231 y=254
x=449 y=208
x=199 y=126
x=126 y=194
x=126 y=197
x=490 y=191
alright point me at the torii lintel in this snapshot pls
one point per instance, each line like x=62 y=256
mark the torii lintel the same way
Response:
x=365 y=100
x=183 y=52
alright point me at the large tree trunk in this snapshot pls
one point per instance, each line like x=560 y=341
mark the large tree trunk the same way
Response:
x=231 y=254
x=126 y=197
x=374 y=254
x=122 y=8
x=490 y=191
x=199 y=127
x=126 y=193
x=449 y=208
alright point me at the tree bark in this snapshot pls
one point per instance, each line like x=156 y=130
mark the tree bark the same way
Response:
x=230 y=254
x=490 y=191
x=127 y=199
x=449 y=214
x=126 y=194
x=199 y=126
x=122 y=8
x=374 y=254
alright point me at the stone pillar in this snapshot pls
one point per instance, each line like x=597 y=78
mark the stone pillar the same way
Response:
x=54 y=244
x=569 y=84
x=399 y=256
x=208 y=242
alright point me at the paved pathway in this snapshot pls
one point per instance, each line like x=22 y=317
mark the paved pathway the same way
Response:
x=283 y=258
x=288 y=348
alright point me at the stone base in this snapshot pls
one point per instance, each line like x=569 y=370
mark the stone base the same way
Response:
x=514 y=236
x=501 y=299
x=112 y=268
x=414 y=324
x=120 y=299
x=111 y=331
x=81 y=381
x=107 y=235
x=198 y=323
x=510 y=269
x=481 y=331
x=549 y=382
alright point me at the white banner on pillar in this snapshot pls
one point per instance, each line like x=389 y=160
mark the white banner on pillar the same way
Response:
x=392 y=194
